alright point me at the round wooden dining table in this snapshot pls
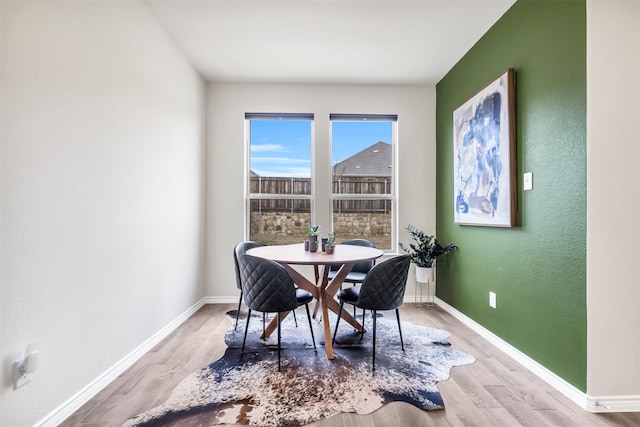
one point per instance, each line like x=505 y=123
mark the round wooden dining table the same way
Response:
x=323 y=290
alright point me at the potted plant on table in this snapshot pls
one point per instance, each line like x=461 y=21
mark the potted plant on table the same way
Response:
x=424 y=252
x=331 y=243
x=313 y=231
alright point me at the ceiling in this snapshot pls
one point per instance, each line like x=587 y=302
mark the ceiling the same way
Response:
x=326 y=41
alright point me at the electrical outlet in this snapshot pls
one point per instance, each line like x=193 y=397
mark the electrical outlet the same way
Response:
x=492 y=299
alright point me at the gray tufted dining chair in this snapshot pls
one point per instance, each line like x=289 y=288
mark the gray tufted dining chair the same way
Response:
x=382 y=289
x=268 y=288
x=360 y=270
x=239 y=249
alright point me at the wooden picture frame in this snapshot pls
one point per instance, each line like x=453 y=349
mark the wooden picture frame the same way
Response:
x=484 y=156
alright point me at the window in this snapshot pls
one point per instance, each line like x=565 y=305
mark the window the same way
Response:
x=279 y=183
x=281 y=193
x=363 y=177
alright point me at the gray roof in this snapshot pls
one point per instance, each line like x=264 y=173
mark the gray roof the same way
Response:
x=372 y=161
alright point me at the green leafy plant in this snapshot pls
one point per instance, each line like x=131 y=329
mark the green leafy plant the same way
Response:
x=314 y=230
x=331 y=239
x=426 y=249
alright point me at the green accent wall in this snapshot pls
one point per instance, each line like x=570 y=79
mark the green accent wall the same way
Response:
x=538 y=268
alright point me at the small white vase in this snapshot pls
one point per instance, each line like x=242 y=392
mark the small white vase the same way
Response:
x=424 y=274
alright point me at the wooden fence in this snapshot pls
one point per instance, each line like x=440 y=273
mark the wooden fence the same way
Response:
x=276 y=185
x=302 y=186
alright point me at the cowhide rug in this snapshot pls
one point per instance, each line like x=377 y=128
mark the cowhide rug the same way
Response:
x=250 y=390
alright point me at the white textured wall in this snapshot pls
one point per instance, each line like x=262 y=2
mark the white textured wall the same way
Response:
x=102 y=142
x=226 y=106
x=613 y=194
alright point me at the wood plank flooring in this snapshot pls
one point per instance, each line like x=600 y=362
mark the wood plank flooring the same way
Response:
x=494 y=391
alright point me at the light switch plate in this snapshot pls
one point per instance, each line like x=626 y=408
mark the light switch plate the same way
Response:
x=528 y=180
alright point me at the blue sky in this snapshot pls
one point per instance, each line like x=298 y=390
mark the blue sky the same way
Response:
x=283 y=147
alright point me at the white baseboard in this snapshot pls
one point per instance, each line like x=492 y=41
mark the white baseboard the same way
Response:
x=74 y=403
x=613 y=403
x=417 y=300
x=222 y=300
x=589 y=403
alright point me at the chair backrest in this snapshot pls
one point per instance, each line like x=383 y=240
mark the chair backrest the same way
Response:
x=241 y=248
x=384 y=286
x=266 y=285
x=361 y=267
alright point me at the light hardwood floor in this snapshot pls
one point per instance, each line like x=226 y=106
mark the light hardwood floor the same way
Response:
x=494 y=391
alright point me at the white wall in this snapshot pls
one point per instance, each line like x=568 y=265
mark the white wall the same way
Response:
x=613 y=194
x=102 y=147
x=226 y=106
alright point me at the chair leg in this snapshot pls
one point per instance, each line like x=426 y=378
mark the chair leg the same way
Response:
x=400 y=328
x=278 y=342
x=374 y=340
x=264 y=320
x=238 y=312
x=294 y=317
x=354 y=308
x=362 y=333
x=316 y=307
x=333 y=341
x=313 y=339
x=246 y=328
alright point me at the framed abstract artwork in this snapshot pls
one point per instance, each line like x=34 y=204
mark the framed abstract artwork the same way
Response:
x=484 y=157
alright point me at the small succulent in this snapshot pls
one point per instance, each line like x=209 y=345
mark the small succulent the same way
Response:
x=331 y=239
x=314 y=230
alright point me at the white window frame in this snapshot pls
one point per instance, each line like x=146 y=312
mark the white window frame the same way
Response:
x=393 y=196
x=268 y=196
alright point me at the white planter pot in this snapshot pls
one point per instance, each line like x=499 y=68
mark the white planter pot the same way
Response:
x=424 y=274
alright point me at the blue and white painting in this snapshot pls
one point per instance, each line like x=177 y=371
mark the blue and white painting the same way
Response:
x=482 y=156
